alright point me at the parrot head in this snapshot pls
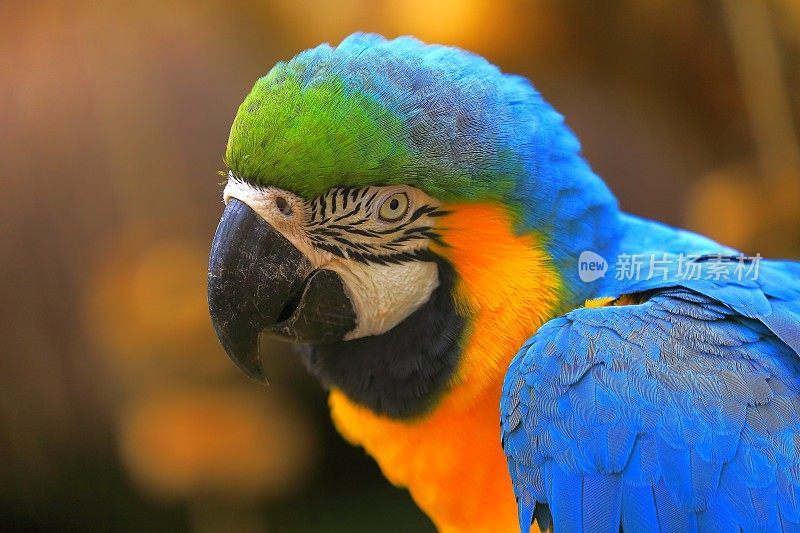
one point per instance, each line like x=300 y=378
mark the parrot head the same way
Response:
x=388 y=206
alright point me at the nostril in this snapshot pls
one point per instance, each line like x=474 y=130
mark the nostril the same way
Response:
x=283 y=206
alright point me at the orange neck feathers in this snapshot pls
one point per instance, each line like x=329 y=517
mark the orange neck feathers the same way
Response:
x=451 y=459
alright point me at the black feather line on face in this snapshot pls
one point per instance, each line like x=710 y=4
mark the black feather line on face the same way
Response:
x=356 y=231
x=343 y=241
x=401 y=373
x=335 y=250
x=435 y=237
x=325 y=232
x=417 y=230
x=355 y=210
x=365 y=247
x=372 y=197
x=403 y=239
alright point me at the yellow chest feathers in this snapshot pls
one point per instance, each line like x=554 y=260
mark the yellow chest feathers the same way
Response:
x=451 y=459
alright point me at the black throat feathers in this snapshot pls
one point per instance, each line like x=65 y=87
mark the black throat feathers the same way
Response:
x=399 y=373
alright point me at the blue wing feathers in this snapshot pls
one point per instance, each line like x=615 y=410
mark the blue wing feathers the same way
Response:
x=719 y=517
x=783 y=322
x=681 y=412
x=639 y=509
x=564 y=498
x=601 y=513
x=670 y=516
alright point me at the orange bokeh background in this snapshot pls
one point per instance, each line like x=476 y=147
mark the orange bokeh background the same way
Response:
x=118 y=409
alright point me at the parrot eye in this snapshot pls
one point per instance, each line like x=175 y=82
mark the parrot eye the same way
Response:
x=394 y=207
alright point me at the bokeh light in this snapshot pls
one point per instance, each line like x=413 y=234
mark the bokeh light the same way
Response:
x=118 y=408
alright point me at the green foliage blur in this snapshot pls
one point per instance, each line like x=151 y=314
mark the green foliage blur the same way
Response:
x=118 y=409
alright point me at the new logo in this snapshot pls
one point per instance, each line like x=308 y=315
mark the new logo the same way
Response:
x=591 y=266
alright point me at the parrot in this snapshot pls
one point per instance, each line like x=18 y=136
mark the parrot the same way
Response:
x=506 y=342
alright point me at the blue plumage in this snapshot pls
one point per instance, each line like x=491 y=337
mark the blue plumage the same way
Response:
x=679 y=410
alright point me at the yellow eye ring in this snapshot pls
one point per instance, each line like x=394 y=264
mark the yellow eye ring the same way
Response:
x=394 y=207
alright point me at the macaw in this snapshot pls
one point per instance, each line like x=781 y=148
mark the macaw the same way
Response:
x=426 y=230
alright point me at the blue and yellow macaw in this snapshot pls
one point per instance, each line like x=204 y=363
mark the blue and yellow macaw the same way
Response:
x=410 y=216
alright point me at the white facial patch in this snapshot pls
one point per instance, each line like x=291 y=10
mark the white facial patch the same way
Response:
x=384 y=295
x=382 y=257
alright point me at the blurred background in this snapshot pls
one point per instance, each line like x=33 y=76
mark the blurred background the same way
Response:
x=118 y=409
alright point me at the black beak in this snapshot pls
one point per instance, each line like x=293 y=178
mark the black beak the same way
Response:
x=258 y=280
